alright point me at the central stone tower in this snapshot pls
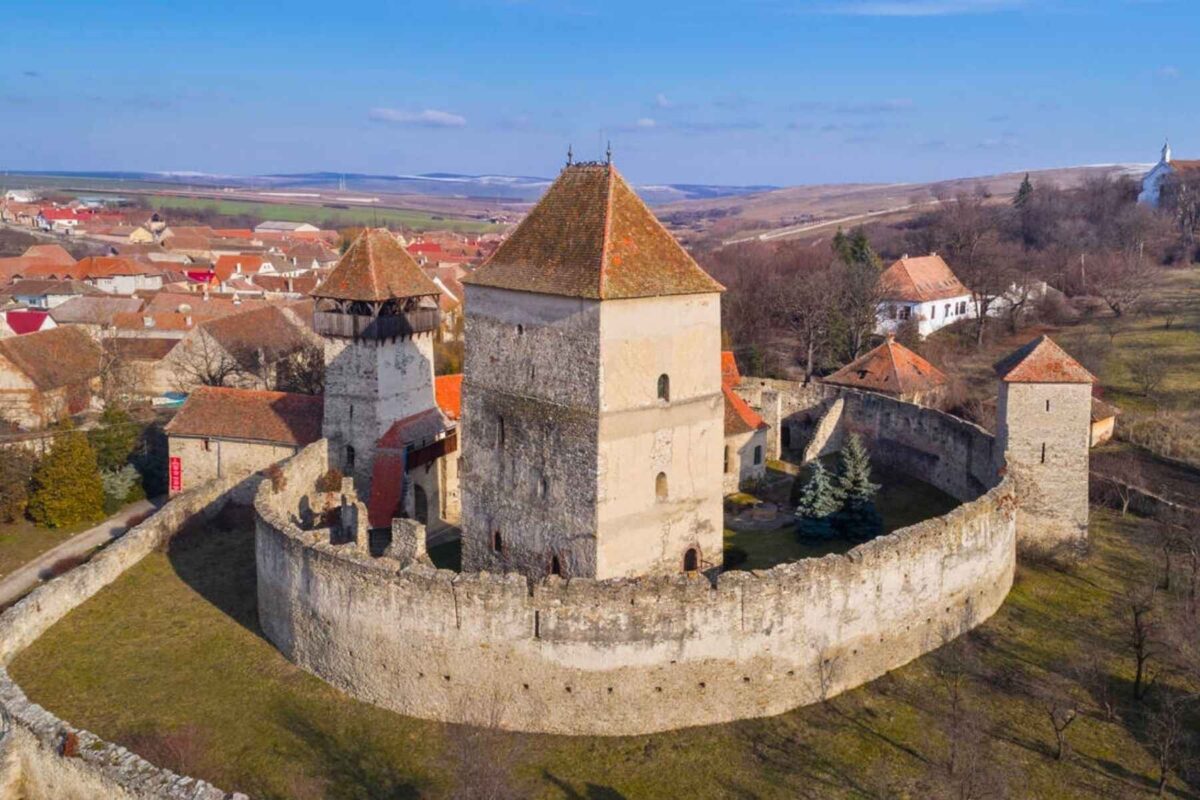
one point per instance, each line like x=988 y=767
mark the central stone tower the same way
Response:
x=378 y=313
x=592 y=409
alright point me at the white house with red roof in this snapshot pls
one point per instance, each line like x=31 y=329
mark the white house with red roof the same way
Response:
x=745 y=432
x=924 y=289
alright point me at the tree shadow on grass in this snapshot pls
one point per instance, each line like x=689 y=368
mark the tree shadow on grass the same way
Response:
x=347 y=762
x=215 y=557
x=591 y=791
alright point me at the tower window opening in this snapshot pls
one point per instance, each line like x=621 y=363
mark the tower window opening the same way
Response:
x=520 y=330
x=664 y=388
x=691 y=560
x=497 y=542
x=660 y=486
x=555 y=566
x=727 y=458
x=349 y=457
x=1047 y=404
x=1043 y=452
x=758 y=455
x=500 y=429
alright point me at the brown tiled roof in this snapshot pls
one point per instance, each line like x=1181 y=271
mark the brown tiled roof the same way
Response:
x=142 y=348
x=1185 y=165
x=50 y=252
x=414 y=429
x=591 y=236
x=160 y=320
x=267 y=331
x=1042 y=361
x=1102 y=410
x=375 y=268
x=94 y=310
x=26 y=266
x=227 y=265
x=921 y=279
x=275 y=417
x=890 y=368
x=44 y=286
x=729 y=369
x=53 y=358
x=108 y=266
x=739 y=416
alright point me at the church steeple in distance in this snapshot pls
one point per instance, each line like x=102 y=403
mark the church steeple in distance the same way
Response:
x=1166 y=152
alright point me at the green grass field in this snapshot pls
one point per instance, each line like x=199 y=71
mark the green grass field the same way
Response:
x=189 y=680
x=21 y=542
x=320 y=215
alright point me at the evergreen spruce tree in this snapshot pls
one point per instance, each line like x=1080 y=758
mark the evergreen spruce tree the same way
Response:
x=66 y=488
x=819 y=501
x=1023 y=192
x=114 y=439
x=857 y=519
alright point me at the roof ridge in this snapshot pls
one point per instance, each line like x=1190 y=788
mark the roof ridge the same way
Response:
x=604 y=246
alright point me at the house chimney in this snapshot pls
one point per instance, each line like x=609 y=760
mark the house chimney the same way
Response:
x=148 y=321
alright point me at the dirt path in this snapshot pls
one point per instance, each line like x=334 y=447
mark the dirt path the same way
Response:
x=24 y=578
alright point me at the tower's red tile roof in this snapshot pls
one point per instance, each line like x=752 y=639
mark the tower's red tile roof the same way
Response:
x=591 y=236
x=275 y=417
x=921 y=279
x=373 y=269
x=890 y=368
x=1042 y=361
x=447 y=391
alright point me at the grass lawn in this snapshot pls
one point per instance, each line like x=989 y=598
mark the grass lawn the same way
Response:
x=338 y=217
x=21 y=542
x=902 y=501
x=188 y=680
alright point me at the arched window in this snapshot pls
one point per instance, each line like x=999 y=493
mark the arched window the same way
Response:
x=349 y=458
x=497 y=542
x=691 y=560
x=660 y=486
x=664 y=387
x=555 y=566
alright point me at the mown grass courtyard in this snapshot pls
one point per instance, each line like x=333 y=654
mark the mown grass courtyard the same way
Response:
x=170 y=661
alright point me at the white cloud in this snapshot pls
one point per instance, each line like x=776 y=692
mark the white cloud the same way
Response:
x=662 y=101
x=919 y=8
x=646 y=122
x=429 y=118
x=1168 y=72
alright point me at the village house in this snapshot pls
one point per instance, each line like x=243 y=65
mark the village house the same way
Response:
x=94 y=313
x=894 y=370
x=922 y=289
x=17 y=320
x=54 y=253
x=117 y=275
x=47 y=376
x=147 y=365
x=270 y=227
x=745 y=433
x=45 y=293
x=221 y=432
x=1104 y=421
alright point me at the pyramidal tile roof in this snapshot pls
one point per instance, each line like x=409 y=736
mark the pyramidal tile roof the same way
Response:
x=375 y=268
x=890 y=368
x=591 y=236
x=1042 y=361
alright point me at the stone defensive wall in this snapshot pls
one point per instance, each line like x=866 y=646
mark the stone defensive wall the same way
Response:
x=642 y=655
x=45 y=758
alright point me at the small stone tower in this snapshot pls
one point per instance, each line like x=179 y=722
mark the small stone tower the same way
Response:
x=378 y=313
x=592 y=405
x=1043 y=419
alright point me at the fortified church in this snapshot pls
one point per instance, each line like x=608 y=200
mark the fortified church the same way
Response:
x=598 y=429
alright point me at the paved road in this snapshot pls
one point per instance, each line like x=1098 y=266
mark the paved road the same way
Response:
x=21 y=580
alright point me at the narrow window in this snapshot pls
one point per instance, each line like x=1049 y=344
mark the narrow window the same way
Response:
x=660 y=486
x=207 y=445
x=497 y=542
x=1043 y=452
x=500 y=429
x=664 y=388
x=786 y=436
x=691 y=560
x=349 y=457
x=1047 y=405
x=727 y=458
x=758 y=455
x=520 y=330
x=946 y=310
x=555 y=566
x=933 y=312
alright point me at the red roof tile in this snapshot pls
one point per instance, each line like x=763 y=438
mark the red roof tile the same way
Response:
x=448 y=392
x=921 y=279
x=53 y=358
x=729 y=369
x=591 y=236
x=890 y=368
x=275 y=417
x=227 y=265
x=50 y=252
x=1042 y=361
x=739 y=416
x=375 y=268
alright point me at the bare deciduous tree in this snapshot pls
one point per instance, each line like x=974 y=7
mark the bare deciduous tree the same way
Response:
x=1142 y=635
x=1123 y=278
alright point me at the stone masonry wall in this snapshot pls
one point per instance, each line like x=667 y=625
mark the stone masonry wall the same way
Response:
x=641 y=655
x=30 y=767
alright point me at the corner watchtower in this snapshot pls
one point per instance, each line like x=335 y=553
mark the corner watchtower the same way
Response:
x=1043 y=418
x=377 y=313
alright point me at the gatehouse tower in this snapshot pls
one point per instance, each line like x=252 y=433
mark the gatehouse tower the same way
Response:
x=592 y=393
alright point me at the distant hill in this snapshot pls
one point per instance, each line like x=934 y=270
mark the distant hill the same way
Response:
x=511 y=188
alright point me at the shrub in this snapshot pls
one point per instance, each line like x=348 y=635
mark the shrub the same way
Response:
x=118 y=485
x=114 y=439
x=66 y=487
x=183 y=750
x=331 y=481
x=62 y=565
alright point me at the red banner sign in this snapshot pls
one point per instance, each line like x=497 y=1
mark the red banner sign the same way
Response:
x=176 y=472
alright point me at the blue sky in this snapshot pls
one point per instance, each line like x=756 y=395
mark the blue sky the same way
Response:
x=758 y=91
